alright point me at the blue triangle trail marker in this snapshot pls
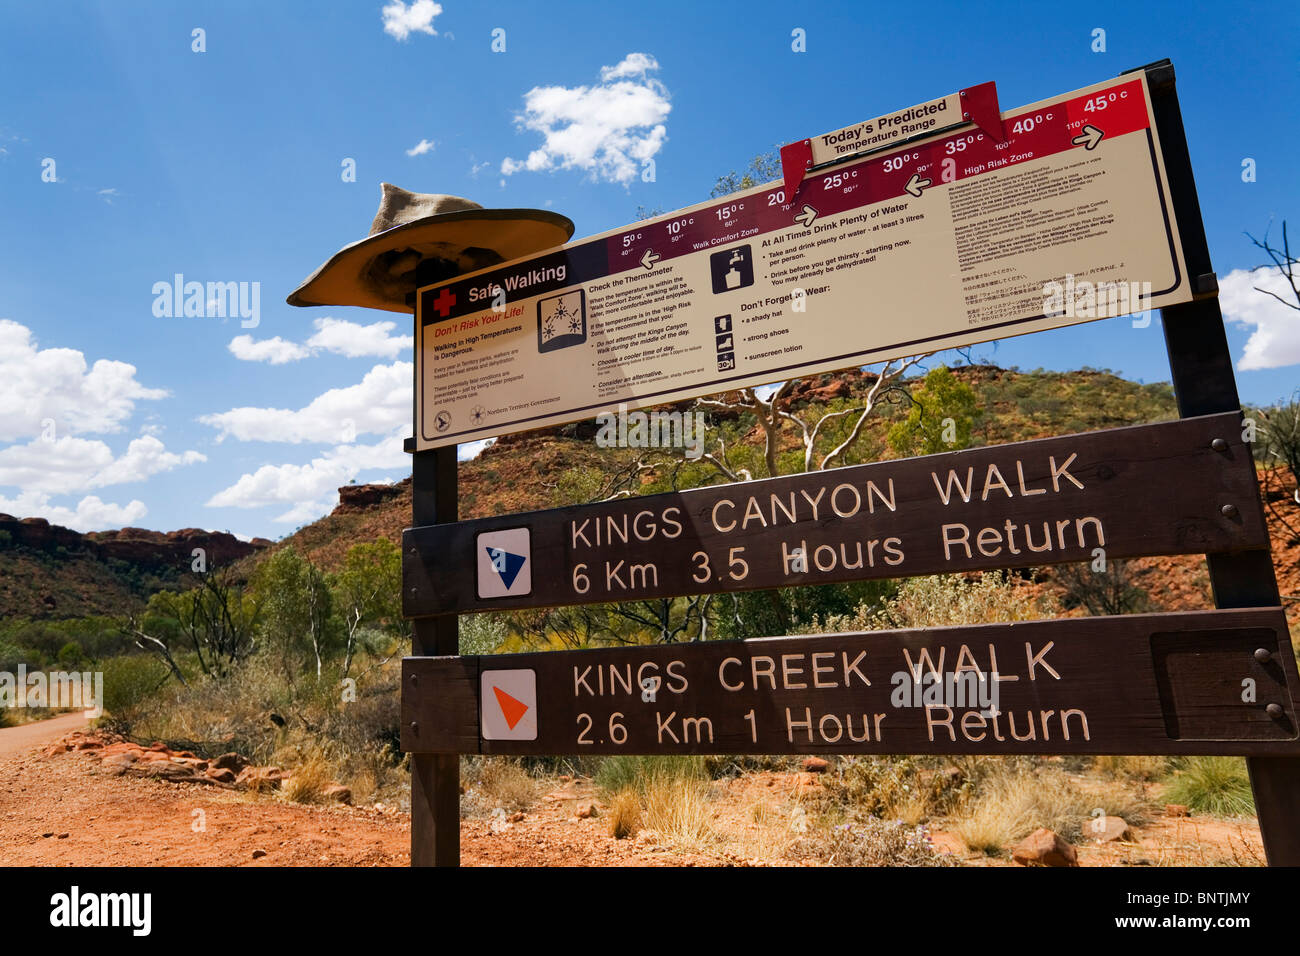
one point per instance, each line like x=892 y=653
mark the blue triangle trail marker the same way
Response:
x=506 y=565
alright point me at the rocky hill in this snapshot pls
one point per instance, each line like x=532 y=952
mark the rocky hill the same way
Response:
x=52 y=572
x=525 y=472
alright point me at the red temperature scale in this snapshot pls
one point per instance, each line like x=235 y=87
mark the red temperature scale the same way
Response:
x=842 y=185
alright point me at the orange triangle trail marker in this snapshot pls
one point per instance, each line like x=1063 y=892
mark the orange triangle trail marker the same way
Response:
x=508 y=704
x=513 y=709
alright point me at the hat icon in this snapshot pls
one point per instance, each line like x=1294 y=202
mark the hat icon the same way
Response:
x=379 y=271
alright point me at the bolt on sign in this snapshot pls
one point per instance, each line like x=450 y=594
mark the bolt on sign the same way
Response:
x=974 y=229
x=1075 y=498
x=1189 y=683
x=974 y=224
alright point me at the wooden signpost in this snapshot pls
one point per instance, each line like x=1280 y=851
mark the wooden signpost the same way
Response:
x=604 y=320
x=1028 y=503
x=1134 y=684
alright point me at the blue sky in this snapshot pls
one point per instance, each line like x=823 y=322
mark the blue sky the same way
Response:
x=226 y=165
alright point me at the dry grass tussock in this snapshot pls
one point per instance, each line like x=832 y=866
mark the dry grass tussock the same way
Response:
x=673 y=797
x=624 y=815
x=1023 y=795
x=308 y=781
x=679 y=810
x=496 y=782
x=872 y=842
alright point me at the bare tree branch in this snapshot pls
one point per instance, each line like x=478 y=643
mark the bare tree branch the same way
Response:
x=888 y=375
x=1283 y=261
x=147 y=642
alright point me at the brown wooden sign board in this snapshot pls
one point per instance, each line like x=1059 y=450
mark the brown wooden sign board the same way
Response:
x=1185 y=487
x=1206 y=682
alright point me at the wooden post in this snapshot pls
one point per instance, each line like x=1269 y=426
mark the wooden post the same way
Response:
x=1203 y=380
x=435 y=778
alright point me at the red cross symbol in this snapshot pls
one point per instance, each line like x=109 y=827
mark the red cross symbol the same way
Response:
x=444 y=302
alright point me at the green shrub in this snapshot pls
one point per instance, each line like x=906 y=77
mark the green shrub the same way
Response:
x=1217 y=785
x=939 y=419
x=129 y=682
x=254 y=712
x=942 y=600
x=482 y=633
x=636 y=773
x=11 y=656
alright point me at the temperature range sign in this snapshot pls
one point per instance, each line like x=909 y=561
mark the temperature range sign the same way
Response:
x=1033 y=134
x=1210 y=682
x=970 y=236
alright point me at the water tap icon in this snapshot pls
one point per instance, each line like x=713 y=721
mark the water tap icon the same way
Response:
x=733 y=275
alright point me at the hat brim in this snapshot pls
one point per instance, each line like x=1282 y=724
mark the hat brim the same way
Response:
x=509 y=233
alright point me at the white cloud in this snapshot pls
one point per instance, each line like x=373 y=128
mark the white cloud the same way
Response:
x=378 y=403
x=1275 y=340
x=607 y=130
x=476 y=168
x=307 y=511
x=312 y=489
x=280 y=484
x=70 y=464
x=473 y=449
x=354 y=341
x=144 y=457
x=422 y=147
x=107 y=195
x=634 y=64
x=39 y=384
x=90 y=514
x=276 y=351
x=339 y=336
x=400 y=20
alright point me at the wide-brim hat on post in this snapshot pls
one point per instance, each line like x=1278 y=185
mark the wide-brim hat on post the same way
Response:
x=378 y=272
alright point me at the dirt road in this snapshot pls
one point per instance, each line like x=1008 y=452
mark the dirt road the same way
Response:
x=65 y=809
x=26 y=736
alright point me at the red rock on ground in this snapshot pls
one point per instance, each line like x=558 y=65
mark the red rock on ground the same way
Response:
x=232 y=761
x=1044 y=847
x=337 y=793
x=261 y=778
x=1106 y=829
